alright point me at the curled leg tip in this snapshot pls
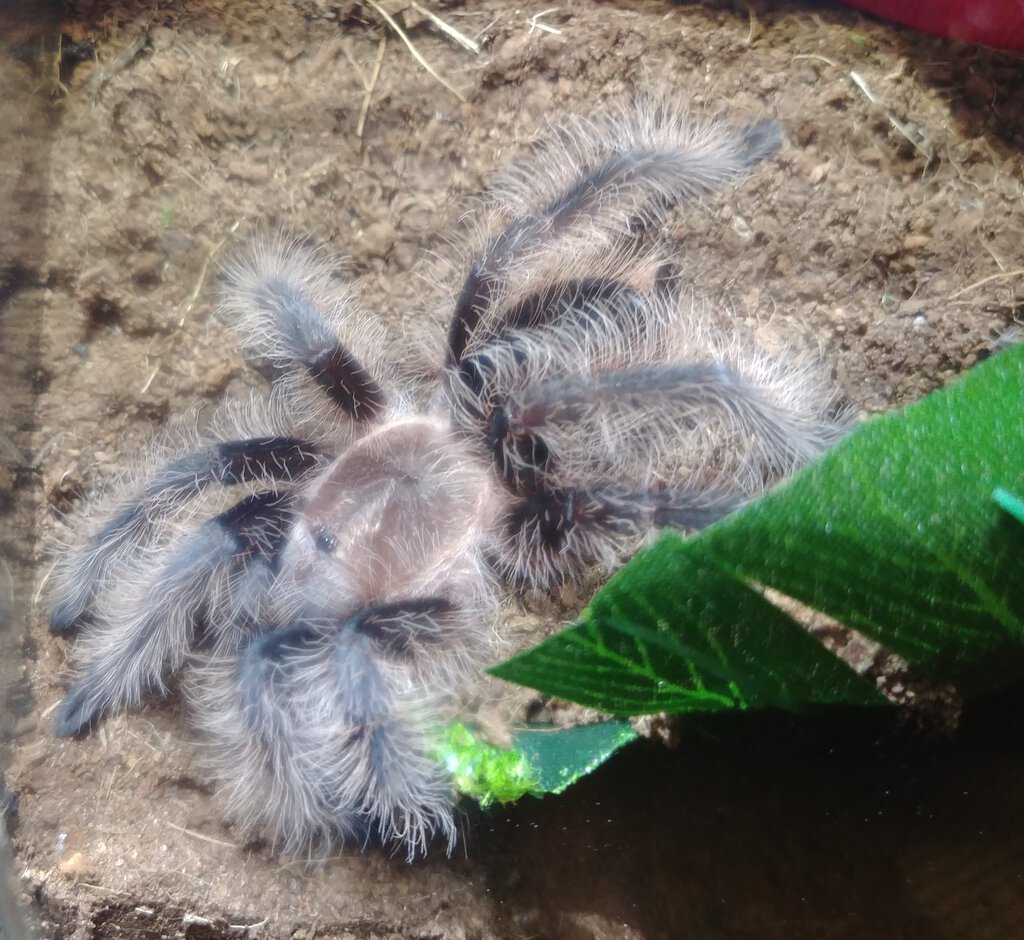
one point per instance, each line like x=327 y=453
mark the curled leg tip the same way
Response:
x=67 y=617
x=77 y=714
x=759 y=141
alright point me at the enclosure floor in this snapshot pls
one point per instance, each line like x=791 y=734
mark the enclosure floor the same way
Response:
x=888 y=236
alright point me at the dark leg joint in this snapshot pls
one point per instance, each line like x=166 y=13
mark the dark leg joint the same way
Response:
x=348 y=384
x=398 y=629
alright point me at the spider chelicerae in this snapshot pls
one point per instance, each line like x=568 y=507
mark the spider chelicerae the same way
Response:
x=327 y=559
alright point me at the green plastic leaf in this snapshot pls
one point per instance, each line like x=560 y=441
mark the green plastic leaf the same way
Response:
x=1010 y=503
x=541 y=760
x=895 y=533
x=560 y=756
x=640 y=648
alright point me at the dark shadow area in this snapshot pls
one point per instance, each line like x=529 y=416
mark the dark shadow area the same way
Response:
x=847 y=825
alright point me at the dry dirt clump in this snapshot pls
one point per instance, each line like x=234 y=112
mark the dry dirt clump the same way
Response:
x=888 y=235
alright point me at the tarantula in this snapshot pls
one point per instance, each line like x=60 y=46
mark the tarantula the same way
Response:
x=327 y=558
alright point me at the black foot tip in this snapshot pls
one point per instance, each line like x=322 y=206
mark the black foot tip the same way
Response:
x=760 y=141
x=76 y=715
x=67 y=618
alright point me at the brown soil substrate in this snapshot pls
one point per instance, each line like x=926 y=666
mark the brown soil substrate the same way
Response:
x=888 y=235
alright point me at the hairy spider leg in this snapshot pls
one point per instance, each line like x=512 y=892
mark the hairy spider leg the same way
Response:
x=411 y=631
x=597 y=320
x=557 y=529
x=629 y=408
x=84 y=570
x=320 y=727
x=304 y=336
x=233 y=555
x=618 y=196
x=284 y=299
x=583 y=421
x=554 y=534
x=599 y=490
x=655 y=161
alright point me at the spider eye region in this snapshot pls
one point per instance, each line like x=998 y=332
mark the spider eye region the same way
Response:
x=325 y=540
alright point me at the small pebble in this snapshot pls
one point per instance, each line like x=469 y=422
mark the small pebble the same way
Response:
x=914 y=242
x=76 y=867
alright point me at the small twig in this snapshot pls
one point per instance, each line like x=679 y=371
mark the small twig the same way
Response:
x=754 y=28
x=201 y=837
x=196 y=180
x=44 y=451
x=318 y=167
x=446 y=28
x=6 y=590
x=985 y=280
x=42 y=584
x=486 y=30
x=149 y=381
x=814 y=55
x=390 y=20
x=213 y=252
x=103 y=888
x=190 y=303
x=228 y=72
x=356 y=67
x=862 y=84
x=10 y=449
x=370 y=85
x=95 y=82
x=258 y=923
x=899 y=125
x=535 y=23
x=50 y=53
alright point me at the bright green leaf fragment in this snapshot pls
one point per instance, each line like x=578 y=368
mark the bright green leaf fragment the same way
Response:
x=894 y=533
x=542 y=759
x=1010 y=503
x=488 y=774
